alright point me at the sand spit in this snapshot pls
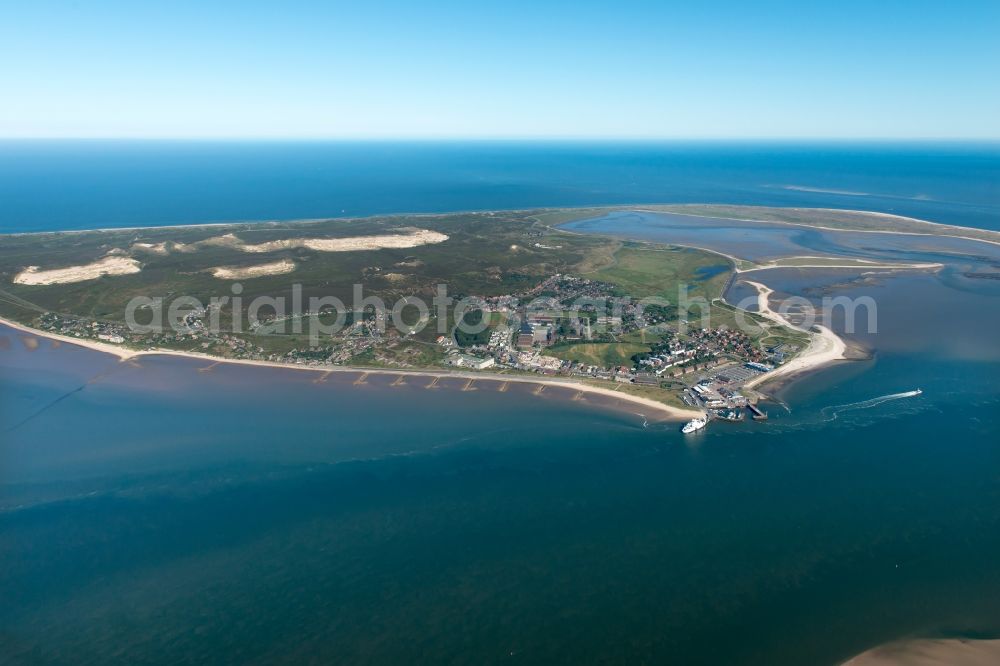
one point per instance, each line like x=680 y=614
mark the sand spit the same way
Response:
x=809 y=261
x=931 y=652
x=244 y=272
x=110 y=265
x=825 y=346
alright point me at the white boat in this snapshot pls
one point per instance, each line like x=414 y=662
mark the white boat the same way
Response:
x=693 y=425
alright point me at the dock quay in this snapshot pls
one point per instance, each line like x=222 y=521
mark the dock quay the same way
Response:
x=757 y=412
x=733 y=415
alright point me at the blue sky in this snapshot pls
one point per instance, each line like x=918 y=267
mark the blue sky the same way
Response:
x=504 y=69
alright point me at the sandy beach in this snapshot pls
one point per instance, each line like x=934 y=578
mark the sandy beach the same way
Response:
x=107 y=348
x=931 y=652
x=652 y=409
x=862 y=264
x=825 y=346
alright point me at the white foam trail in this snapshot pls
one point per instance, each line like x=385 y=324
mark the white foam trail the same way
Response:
x=836 y=410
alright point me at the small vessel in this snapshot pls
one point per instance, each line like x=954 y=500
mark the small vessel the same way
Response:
x=693 y=425
x=729 y=415
x=918 y=392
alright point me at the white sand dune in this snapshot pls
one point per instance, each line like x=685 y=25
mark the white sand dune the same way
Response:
x=260 y=270
x=164 y=248
x=109 y=265
x=412 y=238
x=409 y=237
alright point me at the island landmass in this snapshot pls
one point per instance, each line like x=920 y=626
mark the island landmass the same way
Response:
x=582 y=311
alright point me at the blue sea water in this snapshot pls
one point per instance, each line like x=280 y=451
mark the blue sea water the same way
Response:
x=53 y=185
x=155 y=512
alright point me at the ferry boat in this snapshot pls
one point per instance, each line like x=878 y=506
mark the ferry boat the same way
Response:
x=693 y=425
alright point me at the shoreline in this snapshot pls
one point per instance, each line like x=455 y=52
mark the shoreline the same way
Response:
x=669 y=412
x=768 y=264
x=824 y=347
x=931 y=652
x=641 y=207
x=837 y=210
x=861 y=267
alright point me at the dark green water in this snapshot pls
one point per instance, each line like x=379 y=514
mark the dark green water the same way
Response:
x=158 y=514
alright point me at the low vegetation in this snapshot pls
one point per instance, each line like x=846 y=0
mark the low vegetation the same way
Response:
x=504 y=258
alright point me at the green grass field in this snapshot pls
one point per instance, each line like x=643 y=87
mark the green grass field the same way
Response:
x=485 y=254
x=643 y=270
x=603 y=354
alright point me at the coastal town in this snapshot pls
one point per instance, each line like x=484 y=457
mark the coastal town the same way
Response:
x=552 y=329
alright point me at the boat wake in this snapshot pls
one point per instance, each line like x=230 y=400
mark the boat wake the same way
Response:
x=833 y=412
